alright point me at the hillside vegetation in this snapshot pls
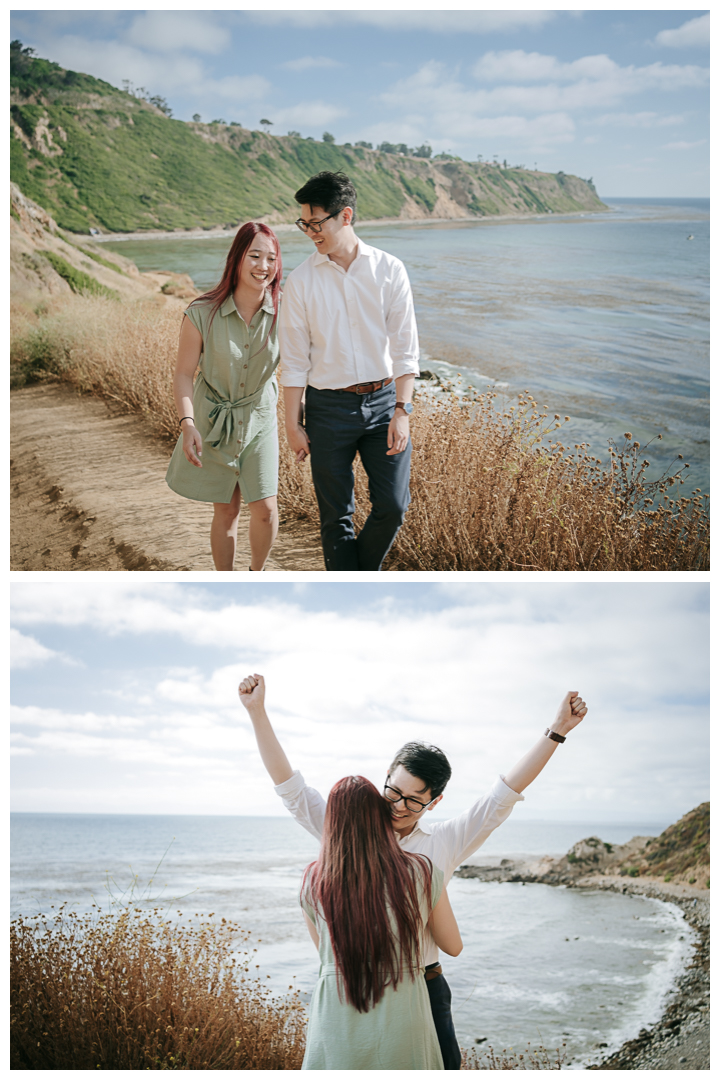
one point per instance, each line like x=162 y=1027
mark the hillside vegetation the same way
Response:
x=96 y=157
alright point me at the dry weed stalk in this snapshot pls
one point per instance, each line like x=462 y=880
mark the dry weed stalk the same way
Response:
x=491 y=489
x=136 y=991
x=508 y=1059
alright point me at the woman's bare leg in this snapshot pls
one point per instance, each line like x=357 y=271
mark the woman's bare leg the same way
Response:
x=263 y=530
x=223 y=532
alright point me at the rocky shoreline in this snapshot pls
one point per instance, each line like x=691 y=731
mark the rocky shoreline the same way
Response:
x=681 y=1038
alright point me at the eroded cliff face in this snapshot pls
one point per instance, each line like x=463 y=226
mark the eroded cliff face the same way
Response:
x=45 y=261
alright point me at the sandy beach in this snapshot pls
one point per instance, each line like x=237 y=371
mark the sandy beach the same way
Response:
x=681 y=1038
x=289 y=226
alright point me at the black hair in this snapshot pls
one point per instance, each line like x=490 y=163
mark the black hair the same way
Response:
x=427 y=763
x=333 y=191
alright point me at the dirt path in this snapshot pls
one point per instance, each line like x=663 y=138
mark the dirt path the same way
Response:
x=88 y=492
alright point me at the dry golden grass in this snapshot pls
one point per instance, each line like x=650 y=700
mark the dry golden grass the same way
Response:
x=491 y=489
x=135 y=991
x=509 y=1059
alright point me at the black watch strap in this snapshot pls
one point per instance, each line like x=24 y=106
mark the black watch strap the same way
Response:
x=554 y=736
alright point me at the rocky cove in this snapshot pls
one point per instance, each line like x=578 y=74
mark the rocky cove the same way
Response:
x=681 y=1038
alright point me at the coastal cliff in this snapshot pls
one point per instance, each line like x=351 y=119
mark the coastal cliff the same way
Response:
x=96 y=157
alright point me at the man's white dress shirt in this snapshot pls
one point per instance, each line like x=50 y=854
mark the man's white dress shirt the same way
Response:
x=341 y=327
x=446 y=843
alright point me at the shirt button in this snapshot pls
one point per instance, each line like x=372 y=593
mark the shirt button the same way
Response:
x=244 y=365
x=241 y=385
x=247 y=346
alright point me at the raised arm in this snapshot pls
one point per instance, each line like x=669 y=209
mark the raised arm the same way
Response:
x=571 y=712
x=252 y=695
x=444 y=927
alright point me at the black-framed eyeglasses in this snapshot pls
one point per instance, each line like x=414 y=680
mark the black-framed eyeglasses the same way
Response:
x=314 y=226
x=413 y=805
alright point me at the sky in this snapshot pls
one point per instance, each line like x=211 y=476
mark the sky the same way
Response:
x=124 y=696
x=618 y=96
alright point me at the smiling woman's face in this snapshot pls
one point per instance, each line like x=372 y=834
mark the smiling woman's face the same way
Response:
x=257 y=269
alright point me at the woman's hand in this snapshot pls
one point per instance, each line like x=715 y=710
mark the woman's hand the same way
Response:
x=571 y=712
x=252 y=691
x=192 y=444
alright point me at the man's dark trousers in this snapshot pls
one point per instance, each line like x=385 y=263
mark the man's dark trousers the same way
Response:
x=341 y=424
x=441 y=1005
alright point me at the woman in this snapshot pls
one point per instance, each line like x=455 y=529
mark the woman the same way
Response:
x=366 y=903
x=229 y=419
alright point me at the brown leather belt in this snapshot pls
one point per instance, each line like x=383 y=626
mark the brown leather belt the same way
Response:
x=366 y=387
x=432 y=971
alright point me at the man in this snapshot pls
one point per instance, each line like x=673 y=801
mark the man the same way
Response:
x=348 y=342
x=414 y=785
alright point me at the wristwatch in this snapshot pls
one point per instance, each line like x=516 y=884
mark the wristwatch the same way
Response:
x=554 y=735
x=406 y=406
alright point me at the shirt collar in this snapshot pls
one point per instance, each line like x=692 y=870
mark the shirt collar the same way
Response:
x=418 y=827
x=317 y=257
x=229 y=305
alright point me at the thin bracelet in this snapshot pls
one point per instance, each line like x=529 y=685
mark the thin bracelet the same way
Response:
x=187 y=418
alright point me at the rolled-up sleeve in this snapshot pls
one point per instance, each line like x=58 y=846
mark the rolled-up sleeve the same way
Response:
x=463 y=835
x=305 y=804
x=401 y=325
x=293 y=335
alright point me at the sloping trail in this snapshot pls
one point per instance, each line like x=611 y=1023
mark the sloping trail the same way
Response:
x=88 y=492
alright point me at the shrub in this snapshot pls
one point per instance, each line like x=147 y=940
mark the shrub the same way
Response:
x=134 y=991
x=78 y=281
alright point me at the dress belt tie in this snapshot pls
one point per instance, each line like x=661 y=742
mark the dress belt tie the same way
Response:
x=222 y=416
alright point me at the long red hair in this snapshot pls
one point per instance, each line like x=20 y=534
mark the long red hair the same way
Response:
x=366 y=888
x=238 y=250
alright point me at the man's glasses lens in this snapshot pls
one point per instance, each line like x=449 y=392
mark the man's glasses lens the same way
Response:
x=314 y=226
x=412 y=804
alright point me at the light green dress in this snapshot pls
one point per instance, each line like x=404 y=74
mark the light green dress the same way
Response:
x=235 y=402
x=399 y=1033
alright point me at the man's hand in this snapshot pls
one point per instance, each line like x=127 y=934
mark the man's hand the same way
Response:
x=571 y=712
x=398 y=432
x=252 y=691
x=298 y=442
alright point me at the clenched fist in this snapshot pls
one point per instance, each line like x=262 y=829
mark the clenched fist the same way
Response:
x=252 y=691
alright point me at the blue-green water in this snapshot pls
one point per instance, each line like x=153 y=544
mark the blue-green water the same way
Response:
x=603 y=317
x=540 y=964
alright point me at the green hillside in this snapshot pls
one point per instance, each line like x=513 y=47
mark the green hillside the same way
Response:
x=95 y=156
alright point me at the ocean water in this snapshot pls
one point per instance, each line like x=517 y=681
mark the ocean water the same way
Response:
x=540 y=964
x=601 y=316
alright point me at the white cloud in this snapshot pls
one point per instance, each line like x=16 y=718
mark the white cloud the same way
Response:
x=304 y=63
x=684 y=145
x=640 y=119
x=169 y=31
x=452 y=109
x=482 y=678
x=436 y=22
x=693 y=34
x=27 y=652
x=519 y=66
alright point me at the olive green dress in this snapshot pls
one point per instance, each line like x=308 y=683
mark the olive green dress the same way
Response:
x=235 y=402
x=398 y=1033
